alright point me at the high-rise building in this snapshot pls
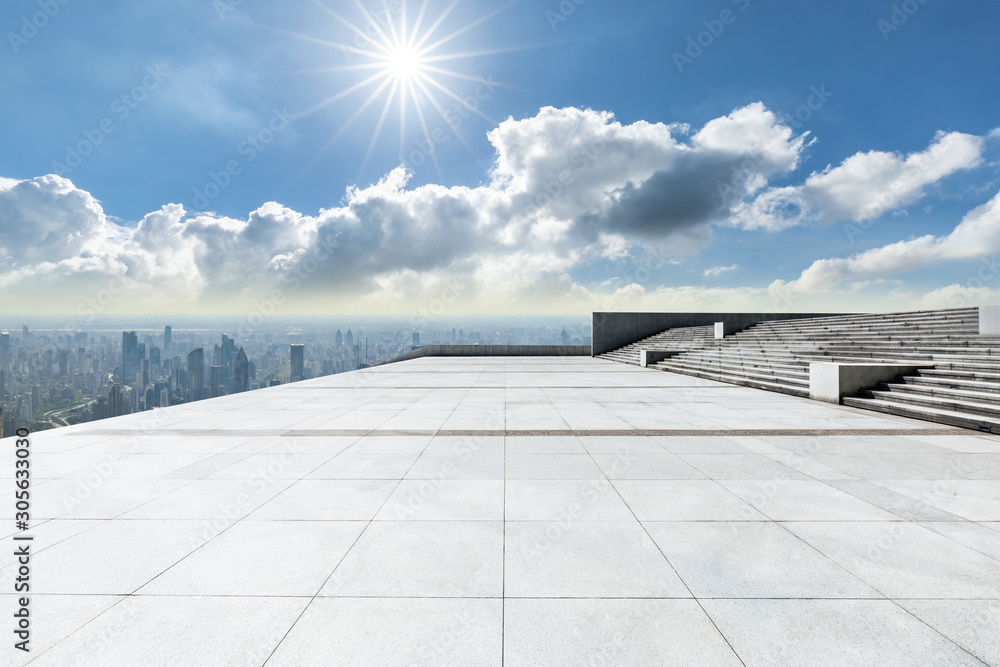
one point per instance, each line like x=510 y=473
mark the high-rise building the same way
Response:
x=4 y=345
x=228 y=354
x=196 y=372
x=339 y=339
x=167 y=339
x=3 y=384
x=298 y=362
x=154 y=359
x=241 y=372
x=130 y=356
x=63 y=357
x=217 y=380
x=118 y=401
x=349 y=341
x=144 y=374
x=416 y=339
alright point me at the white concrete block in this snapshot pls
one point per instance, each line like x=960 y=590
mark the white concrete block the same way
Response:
x=989 y=320
x=831 y=382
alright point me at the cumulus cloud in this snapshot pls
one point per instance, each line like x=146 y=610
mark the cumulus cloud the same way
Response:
x=568 y=186
x=977 y=236
x=864 y=187
x=570 y=190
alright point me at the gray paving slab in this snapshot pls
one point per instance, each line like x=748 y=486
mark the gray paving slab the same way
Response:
x=511 y=510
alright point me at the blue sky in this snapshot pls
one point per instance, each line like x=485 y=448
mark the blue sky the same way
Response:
x=170 y=94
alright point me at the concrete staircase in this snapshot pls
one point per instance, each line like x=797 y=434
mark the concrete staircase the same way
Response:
x=962 y=389
x=686 y=338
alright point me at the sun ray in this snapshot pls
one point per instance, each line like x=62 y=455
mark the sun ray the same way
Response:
x=350 y=25
x=436 y=25
x=444 y=116
x=344 y=93
x=402 y=118
x=316 y=40
x=406 y=66
x=416 y=26
x=464 y=29
x=396 y=41
x=427 y=135
x=488 y=52
x=455 y=97
x=371 y=21
x=378 y=127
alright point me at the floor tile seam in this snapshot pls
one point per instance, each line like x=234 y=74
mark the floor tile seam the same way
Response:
x=346 y=553
x=939 y=633
x=676 y=573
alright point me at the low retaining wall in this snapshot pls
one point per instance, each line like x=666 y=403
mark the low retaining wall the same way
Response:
x=614 y=330
x=496 y=351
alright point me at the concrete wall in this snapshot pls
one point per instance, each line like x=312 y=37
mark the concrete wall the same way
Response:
x=830 y=382
x=989 y=320
x=614 y=330
x=496 y=351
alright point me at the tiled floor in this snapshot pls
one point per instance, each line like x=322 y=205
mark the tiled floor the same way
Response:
x=510 y=511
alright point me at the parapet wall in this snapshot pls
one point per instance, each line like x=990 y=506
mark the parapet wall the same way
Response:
x=614 y=330
x=496 y=351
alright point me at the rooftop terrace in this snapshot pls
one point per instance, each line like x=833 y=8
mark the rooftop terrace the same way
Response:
x=511 y=511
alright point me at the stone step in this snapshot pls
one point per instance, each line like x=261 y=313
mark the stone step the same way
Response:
x=738 y=380
x=975 y=422
x=765 y=375
x=953 y=383
x=946 y=404
x=906 y=385
x=961 y=375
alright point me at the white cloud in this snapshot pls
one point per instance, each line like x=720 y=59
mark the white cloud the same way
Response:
x=571 y=189
x=719 y=270
x=568 y=186
x=864 y=187
x=977 y=236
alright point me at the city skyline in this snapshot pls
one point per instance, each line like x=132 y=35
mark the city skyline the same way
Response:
x=52 y=377
x=662 y=160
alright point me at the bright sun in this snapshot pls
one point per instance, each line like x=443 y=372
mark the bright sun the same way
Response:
x=400 y=59
x=403 y=63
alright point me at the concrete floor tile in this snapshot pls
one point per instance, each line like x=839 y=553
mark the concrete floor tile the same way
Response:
x=904 y=560
x=612 y=632
x=261 y=558
x=591 y=559
x=830 y=633
x=751 y=560
x=390 y=631
x=170 y=631
x=423 y=559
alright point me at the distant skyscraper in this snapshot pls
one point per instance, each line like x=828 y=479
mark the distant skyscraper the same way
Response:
x=298 y=361
x=340 y=339
x=241 y=372
x=3 y=384
x=349 y=341
x=196 y=372
x=167 y=338
x=228 y=354
x=416 y=339
x=130 y=356
x=144 y=373
x=4 y=344
x=63 y=357
x=217 y=380
x=564 y=337
x=154 y=359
